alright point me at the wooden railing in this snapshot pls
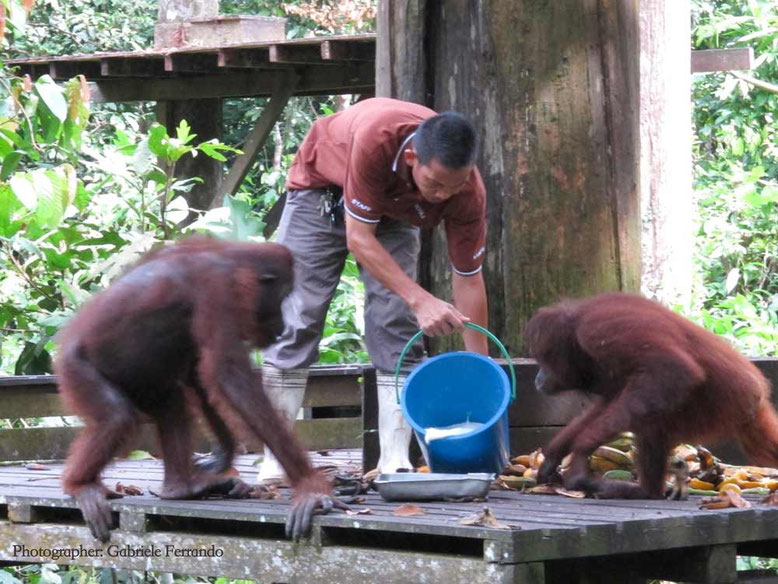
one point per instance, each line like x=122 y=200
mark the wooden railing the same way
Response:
x=332 y=415
x=341 y=411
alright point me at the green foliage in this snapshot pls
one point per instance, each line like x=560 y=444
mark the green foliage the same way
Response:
x=84 y=193
x=54 y=574
x=67 y=231
x=736 y=178
x=62 y=27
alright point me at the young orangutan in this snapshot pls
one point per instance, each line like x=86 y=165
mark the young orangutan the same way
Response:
x=651 y=372
x=178 y=323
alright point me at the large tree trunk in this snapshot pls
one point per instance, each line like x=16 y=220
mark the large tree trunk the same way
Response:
x=666 y=150
x=553 y=90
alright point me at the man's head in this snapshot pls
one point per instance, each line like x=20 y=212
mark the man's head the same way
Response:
x=442 y=156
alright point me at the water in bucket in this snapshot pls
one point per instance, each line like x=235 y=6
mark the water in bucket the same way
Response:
x=462 y=398
x=433 y=433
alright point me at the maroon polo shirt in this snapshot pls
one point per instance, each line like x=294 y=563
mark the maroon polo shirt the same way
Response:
x=360 y=150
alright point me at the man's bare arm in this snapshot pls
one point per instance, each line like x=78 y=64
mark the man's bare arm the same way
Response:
x=435 y=317
x=470 y=298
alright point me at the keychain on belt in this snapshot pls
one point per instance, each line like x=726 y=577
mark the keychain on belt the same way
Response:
x=331 y=203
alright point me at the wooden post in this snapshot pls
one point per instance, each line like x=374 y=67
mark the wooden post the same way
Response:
x=666 y=151
x=282 y=91
x=553 y=90
x=203 y=115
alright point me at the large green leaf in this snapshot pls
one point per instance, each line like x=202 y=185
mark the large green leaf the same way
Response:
x=8 y=206
x=10 y=163
x=157 y=140
x=143 y=159
x=244 y=225
x=52 y=96
x=24 y=190
x=52 y=197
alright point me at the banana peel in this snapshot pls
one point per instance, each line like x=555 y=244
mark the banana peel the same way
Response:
x=519 y=483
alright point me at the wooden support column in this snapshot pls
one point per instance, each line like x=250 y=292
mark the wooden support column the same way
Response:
x=553 y=90
x=285 y=85
x=205 y=118
x=203 y=115
x=666 y=151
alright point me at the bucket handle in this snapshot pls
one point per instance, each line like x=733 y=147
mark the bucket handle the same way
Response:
x=469 y=325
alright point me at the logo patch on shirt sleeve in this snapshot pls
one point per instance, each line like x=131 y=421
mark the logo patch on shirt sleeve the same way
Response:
x=361 y=205
x=479 y=253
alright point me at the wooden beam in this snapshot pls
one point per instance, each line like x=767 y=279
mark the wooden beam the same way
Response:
x=123 y=67
x=356 y=78
x=191 y=62
x=284 y=88
x=704 y=61
x=245 y=58
x=295 y=54
x=68 y=70
x=347 y=51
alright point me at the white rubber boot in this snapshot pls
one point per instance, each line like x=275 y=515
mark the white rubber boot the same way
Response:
x=285 y=389
x=394 y=432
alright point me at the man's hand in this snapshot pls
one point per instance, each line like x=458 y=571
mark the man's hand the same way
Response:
x=437 y=317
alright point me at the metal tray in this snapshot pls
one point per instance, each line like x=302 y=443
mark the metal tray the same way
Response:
x=422 y=486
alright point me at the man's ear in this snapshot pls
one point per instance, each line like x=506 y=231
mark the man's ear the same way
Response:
x=409 y=156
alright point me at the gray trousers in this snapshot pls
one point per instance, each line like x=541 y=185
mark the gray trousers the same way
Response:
x=319 y=249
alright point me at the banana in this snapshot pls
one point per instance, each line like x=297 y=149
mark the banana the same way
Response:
x=624 y=442
x=618 y=475
x=701 y=485
x=523 y=460
x=614 y=455
x=599 y=464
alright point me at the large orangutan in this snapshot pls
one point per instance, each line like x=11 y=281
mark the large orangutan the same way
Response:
x=652 y=372
x=173 y=330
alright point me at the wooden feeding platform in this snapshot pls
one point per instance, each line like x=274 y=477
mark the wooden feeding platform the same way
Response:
x=549 y=538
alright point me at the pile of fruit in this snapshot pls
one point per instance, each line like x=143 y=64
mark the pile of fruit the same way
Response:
x=707 y=475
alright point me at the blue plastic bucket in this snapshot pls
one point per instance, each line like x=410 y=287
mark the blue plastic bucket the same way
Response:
x=459 y=387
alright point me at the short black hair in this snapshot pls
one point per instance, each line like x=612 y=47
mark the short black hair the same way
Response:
x=448 y=137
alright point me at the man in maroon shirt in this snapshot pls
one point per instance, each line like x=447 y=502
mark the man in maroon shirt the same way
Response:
x=394 y=167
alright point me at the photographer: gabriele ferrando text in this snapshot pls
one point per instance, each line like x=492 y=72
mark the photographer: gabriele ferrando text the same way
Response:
x=115 y=551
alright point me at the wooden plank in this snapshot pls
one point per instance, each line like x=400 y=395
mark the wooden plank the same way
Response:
x=64 y=70
x=123 y=67
x=296 y=54
x=277 y=560
x=284 y=88
x=253 y=58
x=370 y=447
x=708 y=60
x=37 y=401
x=710 y=565
x=347 y=51
x=332 y=391
x=355 y=78
x=323 y=433
x=36 y=443
x=191 y=62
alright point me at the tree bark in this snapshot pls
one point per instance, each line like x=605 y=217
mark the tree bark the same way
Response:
x=666 y=151
x=553 y=90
